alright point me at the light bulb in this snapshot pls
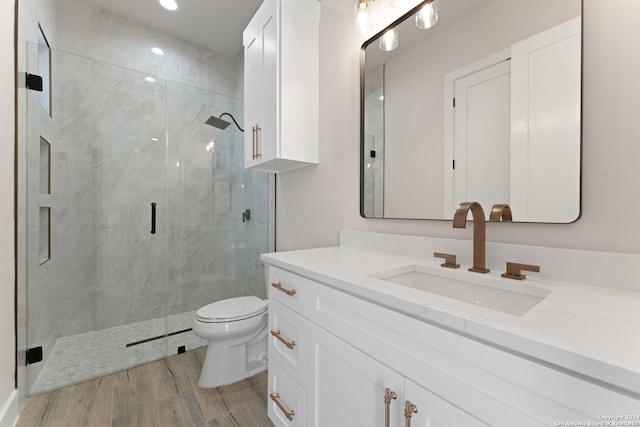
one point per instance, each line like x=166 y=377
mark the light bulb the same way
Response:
x=427 y=16
x=362 y=24
x=389 y=40
x=169 y=4
x=400 y=3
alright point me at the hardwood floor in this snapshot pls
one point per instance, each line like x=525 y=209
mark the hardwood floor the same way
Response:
x=162 y=393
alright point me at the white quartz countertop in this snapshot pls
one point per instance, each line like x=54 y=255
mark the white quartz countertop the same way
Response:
x=584 y=329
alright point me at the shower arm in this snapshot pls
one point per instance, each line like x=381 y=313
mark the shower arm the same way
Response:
x=234 y=120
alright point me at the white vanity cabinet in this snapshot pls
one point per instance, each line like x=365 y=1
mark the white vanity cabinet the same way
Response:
x=281 y=86
x=358 y=351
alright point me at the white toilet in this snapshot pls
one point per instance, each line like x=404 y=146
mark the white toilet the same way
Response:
x=236 y=329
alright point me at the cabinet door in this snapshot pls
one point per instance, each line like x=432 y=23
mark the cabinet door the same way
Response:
x=426 y=409
x=260 y=85
x=345 y=387
x=252 y=95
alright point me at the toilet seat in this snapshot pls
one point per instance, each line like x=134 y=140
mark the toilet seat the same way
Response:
x=232 y=310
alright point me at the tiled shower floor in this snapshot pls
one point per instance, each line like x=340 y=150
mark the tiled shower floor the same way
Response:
x=78 y=358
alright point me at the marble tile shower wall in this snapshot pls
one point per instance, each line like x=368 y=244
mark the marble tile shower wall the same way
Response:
x=212 y=253
x=95 y=33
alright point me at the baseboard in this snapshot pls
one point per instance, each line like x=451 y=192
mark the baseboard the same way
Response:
x=9 y=412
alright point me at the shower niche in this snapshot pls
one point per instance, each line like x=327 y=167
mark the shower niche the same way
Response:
x=44 y=229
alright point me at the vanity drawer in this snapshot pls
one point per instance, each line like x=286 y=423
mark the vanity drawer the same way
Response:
x=286 y=399
x=288 y=289
x=288 y=340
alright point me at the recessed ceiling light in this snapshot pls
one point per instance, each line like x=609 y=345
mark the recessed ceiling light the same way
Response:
x=169 y=4
x=157 y=51
x=150 y=79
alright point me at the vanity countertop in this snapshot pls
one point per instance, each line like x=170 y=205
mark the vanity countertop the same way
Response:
x=584 y=329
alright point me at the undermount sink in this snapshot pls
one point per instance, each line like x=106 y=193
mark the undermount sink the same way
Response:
x=507 y=296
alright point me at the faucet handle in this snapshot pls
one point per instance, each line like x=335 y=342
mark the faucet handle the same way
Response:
x=449 y=260
x=501 y=212
x=514 y=270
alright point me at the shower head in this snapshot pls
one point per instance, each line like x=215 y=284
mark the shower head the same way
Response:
x=217 y=122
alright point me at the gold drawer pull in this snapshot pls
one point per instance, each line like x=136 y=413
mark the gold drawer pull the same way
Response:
x=253 y=142
x=289 y=345
x=409 y=410
x=389 y=395
x=288 y=414
x=278 y=286
x=255 y=135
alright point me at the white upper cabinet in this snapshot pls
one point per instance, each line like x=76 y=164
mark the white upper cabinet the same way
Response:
x=281 y=86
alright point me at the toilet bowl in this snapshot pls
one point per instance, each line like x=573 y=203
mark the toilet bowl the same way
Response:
x=236 y=331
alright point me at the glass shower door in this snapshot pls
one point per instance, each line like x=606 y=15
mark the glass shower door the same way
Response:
x=96 y=221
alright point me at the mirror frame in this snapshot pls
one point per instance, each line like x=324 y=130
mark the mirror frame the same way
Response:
x=397 y=22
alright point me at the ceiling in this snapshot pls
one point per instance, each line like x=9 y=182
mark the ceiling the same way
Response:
x=214 y=24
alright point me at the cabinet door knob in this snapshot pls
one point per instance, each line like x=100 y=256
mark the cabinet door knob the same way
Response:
x=409 y=410
x=389 y=395
x=276 y=399
x=278 y=286
x=290 y=345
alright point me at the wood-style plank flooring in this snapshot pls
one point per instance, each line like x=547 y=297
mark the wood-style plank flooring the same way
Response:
x=162 y=393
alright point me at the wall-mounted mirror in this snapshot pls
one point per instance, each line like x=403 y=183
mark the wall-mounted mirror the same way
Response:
x=484 y=105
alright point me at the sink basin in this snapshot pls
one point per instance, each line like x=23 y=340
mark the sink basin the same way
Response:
x=507 y=296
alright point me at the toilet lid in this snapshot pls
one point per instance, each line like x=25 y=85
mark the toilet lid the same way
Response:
x=231 y=309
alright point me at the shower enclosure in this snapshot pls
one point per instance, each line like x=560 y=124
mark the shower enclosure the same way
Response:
x=134 y=217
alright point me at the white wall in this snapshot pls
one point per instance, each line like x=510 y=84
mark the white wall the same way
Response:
x=7 y=273
x=314 y=203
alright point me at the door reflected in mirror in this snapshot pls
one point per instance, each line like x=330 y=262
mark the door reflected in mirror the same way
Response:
x=483 y=106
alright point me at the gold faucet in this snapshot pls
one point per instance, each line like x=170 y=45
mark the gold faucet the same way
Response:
x=479 y=232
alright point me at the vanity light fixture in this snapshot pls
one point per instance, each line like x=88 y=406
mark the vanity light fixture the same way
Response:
x=169 y=4
x=389 y=40
x=362 y=23
x=427 y=16
x=157 y=51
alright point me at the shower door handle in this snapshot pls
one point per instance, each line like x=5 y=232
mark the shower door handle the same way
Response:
x=153 y=218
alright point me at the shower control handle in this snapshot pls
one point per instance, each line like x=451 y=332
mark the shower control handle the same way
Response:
x=153 y=218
